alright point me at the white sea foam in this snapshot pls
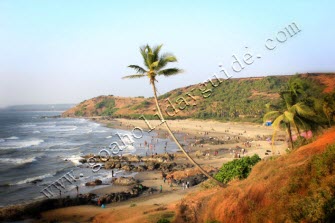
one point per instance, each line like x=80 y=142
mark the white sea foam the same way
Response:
x=100 y=131
x=62 y=149
x=108 y=137
x=74 y=159
x=30 y=179
x=27 y=125
x=13 y=138
x=36 y=132
x=20 y=144
x=18 y=161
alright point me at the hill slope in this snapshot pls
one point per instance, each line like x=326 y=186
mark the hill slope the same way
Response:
x=231 y=100
x=297 y=187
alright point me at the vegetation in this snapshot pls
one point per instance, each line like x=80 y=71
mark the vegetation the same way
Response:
x=301 y=108
x=107 y=105
x=317 y=182
x=240 y=99
x=237 y=169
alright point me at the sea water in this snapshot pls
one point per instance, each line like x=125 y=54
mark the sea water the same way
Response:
x=35 y=151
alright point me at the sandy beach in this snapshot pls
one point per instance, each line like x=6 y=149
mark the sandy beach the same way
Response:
x=149 y=207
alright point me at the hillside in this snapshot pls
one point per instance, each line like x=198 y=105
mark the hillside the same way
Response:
x=231 y=100
x=297 y=187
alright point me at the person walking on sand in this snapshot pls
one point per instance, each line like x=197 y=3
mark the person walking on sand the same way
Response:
x=161 y=189
x=183 y=184
x=99 y=202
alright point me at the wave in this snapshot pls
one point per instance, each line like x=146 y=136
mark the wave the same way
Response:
x=108 y=137
x=2 y=140
x=100 y=131
x=13 y=138
x=61 y=149
x=27 y=125
x=21 y=144
x=36 y=132
x=18 y=161
x=74 y=159
x=30 y=179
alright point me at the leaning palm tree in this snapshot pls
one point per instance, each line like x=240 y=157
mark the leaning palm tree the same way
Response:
x=292 y=118
x=155 y=65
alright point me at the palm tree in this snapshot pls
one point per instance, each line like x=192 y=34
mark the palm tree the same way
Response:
x=296 y=115
x=293 y=117
x=155 y=64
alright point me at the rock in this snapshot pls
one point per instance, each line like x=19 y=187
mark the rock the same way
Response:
x=83 y=161
x=124 y=181
x=141 y=168
x=36 y=181
x=134 y=159
x=127 y=167
x=153 y=166
x=167 y=167
x=110 y=165
x=94 y=183
x=118 y=165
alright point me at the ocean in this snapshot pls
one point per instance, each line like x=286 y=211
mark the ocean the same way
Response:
x=40 y=149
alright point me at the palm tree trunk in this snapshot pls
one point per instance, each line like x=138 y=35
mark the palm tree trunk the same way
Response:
x=176 y=141
x=290 y=134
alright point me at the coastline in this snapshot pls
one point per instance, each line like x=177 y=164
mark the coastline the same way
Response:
x=191 y=131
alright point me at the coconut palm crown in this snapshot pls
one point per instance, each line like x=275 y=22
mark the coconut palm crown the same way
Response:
x=154 y=64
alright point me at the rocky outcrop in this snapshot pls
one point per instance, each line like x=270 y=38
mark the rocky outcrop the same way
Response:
x=124 y=181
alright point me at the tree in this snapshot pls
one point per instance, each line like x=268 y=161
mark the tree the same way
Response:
x=155 y=65
x=296 y=115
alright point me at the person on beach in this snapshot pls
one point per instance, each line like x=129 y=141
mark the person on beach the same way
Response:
x=112 y=173
x=183 y=184
x=77 y=188
x=99 y=202
x=161 y=189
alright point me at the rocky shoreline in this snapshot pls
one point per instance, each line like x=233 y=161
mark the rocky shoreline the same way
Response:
x=167 y=164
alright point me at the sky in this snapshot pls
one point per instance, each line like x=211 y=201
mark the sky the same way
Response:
x=62 y=51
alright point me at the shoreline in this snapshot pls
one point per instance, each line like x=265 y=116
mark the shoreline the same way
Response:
x=198 y=136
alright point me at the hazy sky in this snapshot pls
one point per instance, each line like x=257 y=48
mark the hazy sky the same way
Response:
x=71 y=50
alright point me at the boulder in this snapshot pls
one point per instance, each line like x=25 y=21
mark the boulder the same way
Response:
x=153 y=166
x=110 y=165
x=128 y=167
x=124 y=181
x=118 y=165
x=94 y=183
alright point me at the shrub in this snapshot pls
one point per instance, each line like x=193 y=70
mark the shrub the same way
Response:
x=237 y=169
x=163 y=220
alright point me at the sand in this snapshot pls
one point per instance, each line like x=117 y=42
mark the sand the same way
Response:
x=146 y=208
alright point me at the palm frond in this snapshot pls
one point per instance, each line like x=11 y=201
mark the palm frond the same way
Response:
x=302 y=110
x=270 y=115
x=138 y=69
x=165 y=59
x=156 y=50
x=288 y=117
x=277 y=122
x=134 y=76
x=170 y=71
x=144 y=53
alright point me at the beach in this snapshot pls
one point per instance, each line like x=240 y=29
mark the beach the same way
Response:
x=146 y=206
